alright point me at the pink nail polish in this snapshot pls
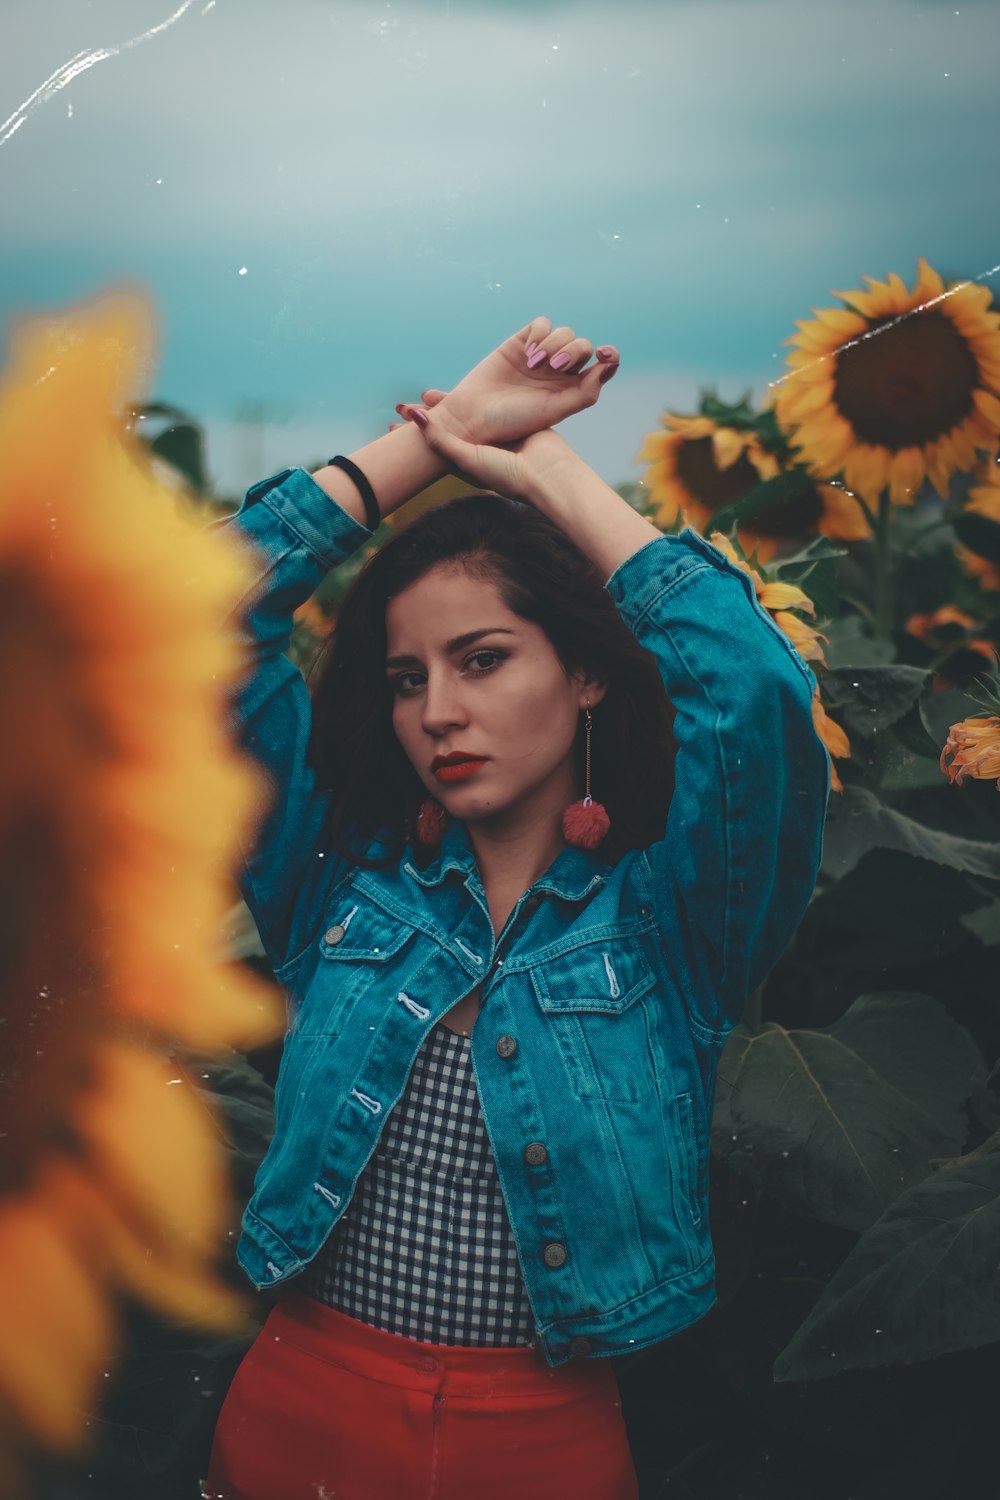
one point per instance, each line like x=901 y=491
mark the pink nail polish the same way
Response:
x=604 y=351
x=559 y=361
x=419 y=417
x=531 y=349
x=537 y=359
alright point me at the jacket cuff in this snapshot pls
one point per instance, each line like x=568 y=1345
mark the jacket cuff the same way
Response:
x=306 y=511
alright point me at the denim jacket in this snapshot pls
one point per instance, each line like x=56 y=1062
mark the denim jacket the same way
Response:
x=609 y=994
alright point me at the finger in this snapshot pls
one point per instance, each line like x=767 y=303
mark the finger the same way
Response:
x=605 y=368
x=433 y=396
x=532 y=335
x=610 y=362
x=405 y=409
x=551 y=344
x=452 y=449
x=572 y=356
x=395 y=426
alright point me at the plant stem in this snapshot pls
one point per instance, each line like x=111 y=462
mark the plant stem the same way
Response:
x=883 y=569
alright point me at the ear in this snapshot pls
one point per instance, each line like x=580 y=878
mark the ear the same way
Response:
x=592 y=689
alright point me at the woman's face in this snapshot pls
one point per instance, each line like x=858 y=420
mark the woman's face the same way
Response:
x=482 y=706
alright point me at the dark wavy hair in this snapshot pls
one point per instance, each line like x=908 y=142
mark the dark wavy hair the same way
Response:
x=542 y=577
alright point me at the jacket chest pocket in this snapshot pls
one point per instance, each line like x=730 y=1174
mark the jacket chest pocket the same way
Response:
x=590 y=996
x=360 y=950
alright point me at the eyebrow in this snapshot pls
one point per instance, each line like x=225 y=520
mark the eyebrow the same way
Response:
x=457 y=643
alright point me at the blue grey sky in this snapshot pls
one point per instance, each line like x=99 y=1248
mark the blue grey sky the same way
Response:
x=334 y=202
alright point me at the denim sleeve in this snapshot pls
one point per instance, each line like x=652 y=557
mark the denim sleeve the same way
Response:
x=295 y=534
x=732 y=876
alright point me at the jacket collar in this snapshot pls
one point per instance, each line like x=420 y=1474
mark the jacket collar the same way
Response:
x=572 y=875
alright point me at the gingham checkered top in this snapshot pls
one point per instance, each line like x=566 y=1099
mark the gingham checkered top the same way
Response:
x=425 y=1248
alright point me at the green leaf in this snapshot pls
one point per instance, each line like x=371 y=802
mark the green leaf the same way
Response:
x=850 y=645
x=814 y=570
x=893 y=896
x=984 y=923
x=979 y=533
x=921 y=1282
x=939 y=711
x=858 y=821
x=183 y=447
x=835 y=1123
x=739 y=415
x=868 y=699
x=783 y=487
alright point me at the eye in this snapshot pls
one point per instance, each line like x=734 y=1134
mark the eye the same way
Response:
x=405 y=684
x=487 y=659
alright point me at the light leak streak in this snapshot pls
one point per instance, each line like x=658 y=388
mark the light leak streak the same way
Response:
x=873 y=333
x=77 y=65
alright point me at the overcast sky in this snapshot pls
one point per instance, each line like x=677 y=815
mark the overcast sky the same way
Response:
x=334 y=202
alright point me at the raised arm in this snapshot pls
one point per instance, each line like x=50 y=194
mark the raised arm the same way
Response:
x=733 y=873
x=534 y=379
x=296 y=536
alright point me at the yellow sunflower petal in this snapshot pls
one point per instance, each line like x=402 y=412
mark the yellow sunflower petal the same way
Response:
x=54 y=1333
x=152 y=1142
x=785 y=596
x=728 y=446
x=906 y=475
x=842 y=518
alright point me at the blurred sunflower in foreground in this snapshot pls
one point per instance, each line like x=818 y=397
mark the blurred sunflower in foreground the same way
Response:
x=896 y=386
x=781 y=600
x=699 y=466
x=120 y=805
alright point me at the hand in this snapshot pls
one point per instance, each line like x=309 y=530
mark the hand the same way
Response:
x=513 y=393
x=520 y=470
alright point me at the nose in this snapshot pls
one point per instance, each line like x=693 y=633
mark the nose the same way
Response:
x=443 y=706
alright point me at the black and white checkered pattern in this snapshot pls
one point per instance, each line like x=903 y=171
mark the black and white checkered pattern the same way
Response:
x=425 y=1248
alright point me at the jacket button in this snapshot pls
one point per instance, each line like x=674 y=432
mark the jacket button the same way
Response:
x=555 y=1254
x=506 y=1045
x=334 y=935
x=535 y=1153
x=579 y=1347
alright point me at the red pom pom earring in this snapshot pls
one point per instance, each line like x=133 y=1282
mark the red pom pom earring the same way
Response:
x=432 y=820
x=586 y=823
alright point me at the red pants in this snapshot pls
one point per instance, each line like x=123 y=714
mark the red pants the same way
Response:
x=325 y=1408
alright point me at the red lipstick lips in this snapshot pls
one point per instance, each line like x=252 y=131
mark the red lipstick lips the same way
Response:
x=456 y=766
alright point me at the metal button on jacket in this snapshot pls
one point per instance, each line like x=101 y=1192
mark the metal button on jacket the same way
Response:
x=535 y=1153
x=555 y=1254
x=335 y=934
x=580 y=1346
x=506 y=1045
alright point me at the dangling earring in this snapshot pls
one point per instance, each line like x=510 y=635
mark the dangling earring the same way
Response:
x=586 y=823
x=432 y=820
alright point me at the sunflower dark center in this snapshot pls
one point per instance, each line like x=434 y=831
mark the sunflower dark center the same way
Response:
x=705 y=482
x=907 y=382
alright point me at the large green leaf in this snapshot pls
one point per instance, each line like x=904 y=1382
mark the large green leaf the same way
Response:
x=814 y=570
x=835 y=1123
x=858 y=821
x=921 y=1282
x=848 y=644
x=894 y=896
x=866 y=700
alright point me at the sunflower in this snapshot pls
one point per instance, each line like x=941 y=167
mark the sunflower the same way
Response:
x=121 y=803
x=697 y=467
x=896 y=386
x=780 y=599
x=974 y=745
x=833 y=738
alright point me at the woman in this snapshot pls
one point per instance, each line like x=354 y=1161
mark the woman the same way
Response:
x=490 y=1165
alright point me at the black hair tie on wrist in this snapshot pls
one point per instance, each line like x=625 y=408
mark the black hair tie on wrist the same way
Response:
x=372 y=516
